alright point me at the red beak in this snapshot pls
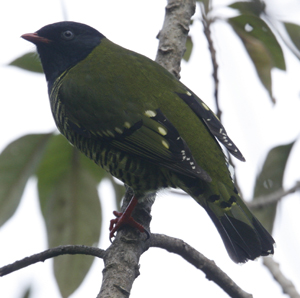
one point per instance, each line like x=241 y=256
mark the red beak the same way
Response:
x=35 y=38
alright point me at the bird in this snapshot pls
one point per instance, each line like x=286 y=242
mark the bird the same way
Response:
x=137 y=121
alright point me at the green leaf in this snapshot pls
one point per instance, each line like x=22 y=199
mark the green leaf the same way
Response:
x=294 y=32
x=18 y=162
x=261 y=60
x=189 y=48
x=252 y=26
x=255 y=7
x=73 y=217
x=261 y=45
x=29 y=61
x=71 y=209
x=270 y=180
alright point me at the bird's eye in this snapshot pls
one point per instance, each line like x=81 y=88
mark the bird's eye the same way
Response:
x=67 y=35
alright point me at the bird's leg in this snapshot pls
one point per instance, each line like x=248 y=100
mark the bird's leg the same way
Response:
x=125 y=218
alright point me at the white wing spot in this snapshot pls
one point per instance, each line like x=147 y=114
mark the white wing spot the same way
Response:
x=105 y=133
x=205 y=106
x=165 y=144
x=127 y=125
x=150 y=113
x=118 y=130
x=188 y=93
x=110 y=133
x=162 y=131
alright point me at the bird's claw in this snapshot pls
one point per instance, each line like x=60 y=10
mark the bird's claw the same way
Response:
x=124 y=219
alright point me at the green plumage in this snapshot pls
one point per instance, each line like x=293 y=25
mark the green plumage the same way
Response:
x=137 y=121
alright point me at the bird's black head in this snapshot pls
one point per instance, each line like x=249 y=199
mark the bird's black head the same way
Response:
x=62 y=45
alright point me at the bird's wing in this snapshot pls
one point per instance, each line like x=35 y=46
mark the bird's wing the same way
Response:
x=211 y=121
x=149 y=135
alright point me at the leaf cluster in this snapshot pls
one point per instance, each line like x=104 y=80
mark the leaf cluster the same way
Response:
x=260 y=35
x=68 y=197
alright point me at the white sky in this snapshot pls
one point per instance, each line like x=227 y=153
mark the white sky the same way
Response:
x=249 y=117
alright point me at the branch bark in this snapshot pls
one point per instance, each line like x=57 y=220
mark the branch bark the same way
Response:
x=173 y=35
x=51 y=253
x=122 y=260
x=191 y=255
x=286 y=285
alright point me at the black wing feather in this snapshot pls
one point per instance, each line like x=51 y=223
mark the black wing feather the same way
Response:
x=211 y=121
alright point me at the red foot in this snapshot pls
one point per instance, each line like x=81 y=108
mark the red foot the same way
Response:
x=125 y=218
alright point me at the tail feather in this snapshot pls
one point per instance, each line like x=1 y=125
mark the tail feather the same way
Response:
x=243 y=235
x=266 y=239
x=243 y=240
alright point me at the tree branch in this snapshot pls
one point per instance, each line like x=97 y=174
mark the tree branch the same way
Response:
x=286 y=285
x=206 y=21
x=50 y=253
x=273 y=197
x=173 y=35
x=122 y=257
x=211 y=270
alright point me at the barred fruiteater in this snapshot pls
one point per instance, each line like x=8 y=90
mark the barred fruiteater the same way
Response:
x=137 y=121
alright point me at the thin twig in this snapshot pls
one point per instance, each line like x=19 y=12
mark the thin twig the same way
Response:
x=262 y=201
x=207 y=32
x=273 y=197
x=212 y=271
x=207 y=21
x=286 y=285
x=50 y=253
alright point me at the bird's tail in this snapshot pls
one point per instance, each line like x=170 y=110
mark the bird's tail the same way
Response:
x=243 y=235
